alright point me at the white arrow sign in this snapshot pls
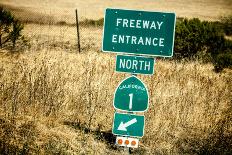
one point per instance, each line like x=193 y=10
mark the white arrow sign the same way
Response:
x=123 y=126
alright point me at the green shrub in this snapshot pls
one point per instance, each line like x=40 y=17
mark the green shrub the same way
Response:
x=10 y=28
x=204 y=40
x=221 y=52
x=194 y=36
x=223 y=60
x=226 y=23
x=91 y=22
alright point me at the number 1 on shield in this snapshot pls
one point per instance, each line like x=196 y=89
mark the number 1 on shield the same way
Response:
x=130 y=103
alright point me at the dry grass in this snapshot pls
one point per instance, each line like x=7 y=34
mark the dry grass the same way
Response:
x=59 y=10
x=53 y=100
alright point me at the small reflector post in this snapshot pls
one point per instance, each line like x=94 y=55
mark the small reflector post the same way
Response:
x=127 y=142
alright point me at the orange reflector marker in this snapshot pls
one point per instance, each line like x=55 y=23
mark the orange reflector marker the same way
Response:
x=133 y=143
x=127 y=142
x=120 y=141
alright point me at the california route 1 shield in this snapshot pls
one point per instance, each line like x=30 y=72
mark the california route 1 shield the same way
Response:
x=131 y=95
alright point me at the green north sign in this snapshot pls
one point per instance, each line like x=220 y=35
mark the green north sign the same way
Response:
x=139 y=32
x=131 y=95
x=128 y=125
x=134 y=64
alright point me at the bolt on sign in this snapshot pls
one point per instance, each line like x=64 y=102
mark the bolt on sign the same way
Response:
x=139 y=32
x=128 y=125
x=131 y=95
x=134 y=64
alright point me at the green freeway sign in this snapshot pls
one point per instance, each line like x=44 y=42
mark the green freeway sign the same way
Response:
x=131 y=95
x=139 y=32
x=128 y=125
x=134 y=64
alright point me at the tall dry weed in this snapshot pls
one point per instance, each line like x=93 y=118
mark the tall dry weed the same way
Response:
x=50 y=85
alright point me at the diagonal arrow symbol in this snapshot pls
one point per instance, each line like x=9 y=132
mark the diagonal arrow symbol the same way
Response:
x=123 y=126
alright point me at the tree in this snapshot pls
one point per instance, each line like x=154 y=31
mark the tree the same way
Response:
x=10 y=28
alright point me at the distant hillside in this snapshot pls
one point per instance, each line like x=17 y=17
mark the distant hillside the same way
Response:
x=60 y=10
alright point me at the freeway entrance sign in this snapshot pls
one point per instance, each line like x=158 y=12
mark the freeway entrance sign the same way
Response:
x=131 y=95
x=139 y=32
x=134 y=64
x=128 y=125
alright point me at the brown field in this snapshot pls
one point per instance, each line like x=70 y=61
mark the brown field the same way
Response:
x=56 y=95
x=56 y=101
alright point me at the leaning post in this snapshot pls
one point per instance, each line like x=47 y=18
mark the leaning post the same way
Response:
x=78 y=33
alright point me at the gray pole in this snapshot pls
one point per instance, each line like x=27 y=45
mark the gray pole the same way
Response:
x=127 y=150
x=78 y=34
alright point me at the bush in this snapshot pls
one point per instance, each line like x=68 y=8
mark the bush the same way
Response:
x=223 y=60
x=10 y=28
x=227 y=24
x=194 y=36
x=221 y=54
x=204 y=39
x=90 y=22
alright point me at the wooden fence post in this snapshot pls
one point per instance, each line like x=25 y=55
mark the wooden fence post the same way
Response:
x=78 y=33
